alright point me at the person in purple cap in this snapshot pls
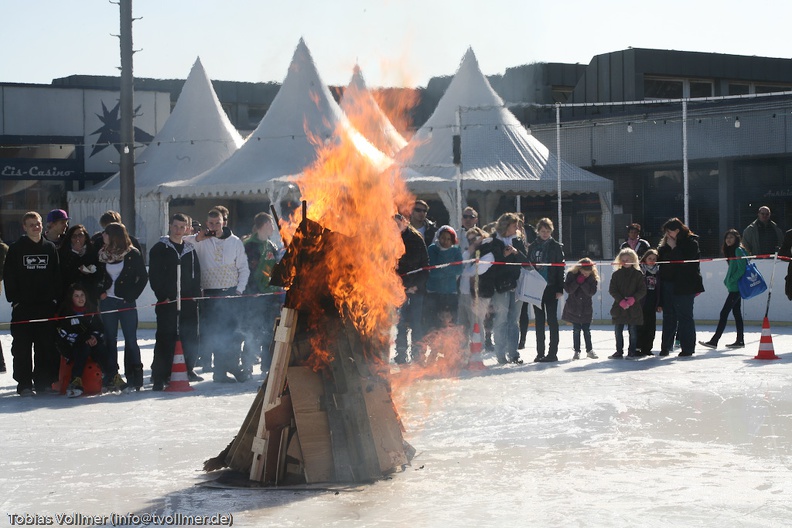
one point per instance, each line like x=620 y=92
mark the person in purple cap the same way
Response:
x=57 y=223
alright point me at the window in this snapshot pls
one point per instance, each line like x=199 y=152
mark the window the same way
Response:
x=661 y=88
x=562 y=94
x=736 y=88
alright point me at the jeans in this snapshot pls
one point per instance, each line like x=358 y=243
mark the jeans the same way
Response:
x=549 y=311
x=259 y=329
x=219 y=331
x=129 y=323
x=34 y=341
x=586 y=329
x=436 y=306
x=647 y=331
x=632 y=331
x=678 y=320
x=506 y=325
x=410 y=317
x=732 y=304
x=168 y=333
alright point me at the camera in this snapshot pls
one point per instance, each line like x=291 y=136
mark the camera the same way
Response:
x=209 y=233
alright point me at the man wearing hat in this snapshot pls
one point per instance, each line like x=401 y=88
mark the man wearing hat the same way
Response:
x=57 y=223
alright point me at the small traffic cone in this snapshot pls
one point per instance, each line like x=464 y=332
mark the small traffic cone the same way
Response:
x=766 y=343
x=178 y=379
x=475 y=362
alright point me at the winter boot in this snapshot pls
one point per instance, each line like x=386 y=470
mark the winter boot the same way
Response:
x=576 y=355
x=539 y=357
x=136 y=378
x=75 y=388
x=591 y=355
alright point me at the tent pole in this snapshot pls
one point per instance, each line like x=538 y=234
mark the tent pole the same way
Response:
x=457 y=222
x=558 y=172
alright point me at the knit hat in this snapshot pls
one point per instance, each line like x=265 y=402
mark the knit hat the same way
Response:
x=451 y=231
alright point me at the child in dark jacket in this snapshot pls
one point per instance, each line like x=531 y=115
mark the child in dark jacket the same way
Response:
x=651 y=303
x=581 y=285
x=80 y=336
x=627 y=289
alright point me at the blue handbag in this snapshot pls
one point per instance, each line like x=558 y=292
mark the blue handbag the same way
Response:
x=751 y=283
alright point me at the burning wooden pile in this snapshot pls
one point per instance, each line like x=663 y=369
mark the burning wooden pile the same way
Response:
x=324 y=413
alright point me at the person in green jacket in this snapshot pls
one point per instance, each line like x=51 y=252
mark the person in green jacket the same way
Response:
x=734 y=251
x=258 y=329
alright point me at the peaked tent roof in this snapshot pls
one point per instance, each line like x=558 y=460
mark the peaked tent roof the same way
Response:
x=284 y=143
x=368 y=118
x=497 y=152
x=196 y=137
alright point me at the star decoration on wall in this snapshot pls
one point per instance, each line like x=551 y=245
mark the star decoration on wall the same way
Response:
x=110 y=131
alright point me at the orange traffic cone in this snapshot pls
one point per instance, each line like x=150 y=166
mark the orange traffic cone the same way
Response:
x=178 y=379
x=766 y=343
x=475 y=362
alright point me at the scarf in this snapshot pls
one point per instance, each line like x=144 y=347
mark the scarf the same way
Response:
x=110 y=256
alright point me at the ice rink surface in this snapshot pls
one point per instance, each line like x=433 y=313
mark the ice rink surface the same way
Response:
x=702 y=441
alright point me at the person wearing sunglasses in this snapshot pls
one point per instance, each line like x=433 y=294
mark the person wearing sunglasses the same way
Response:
x=469 y=221
x=421 y=223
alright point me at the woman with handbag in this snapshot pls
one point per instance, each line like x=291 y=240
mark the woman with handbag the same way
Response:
x=681 y=281
x=734 y=251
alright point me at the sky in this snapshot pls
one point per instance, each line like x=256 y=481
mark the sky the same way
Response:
x=395 y=42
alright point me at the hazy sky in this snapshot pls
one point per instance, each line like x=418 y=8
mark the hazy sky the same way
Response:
x=396 y=42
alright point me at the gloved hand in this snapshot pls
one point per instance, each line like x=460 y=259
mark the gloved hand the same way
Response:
x=624 y=304
x=581 y=278
x=630 y=301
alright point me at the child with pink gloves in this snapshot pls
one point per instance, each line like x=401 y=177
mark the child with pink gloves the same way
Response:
x=627 y=287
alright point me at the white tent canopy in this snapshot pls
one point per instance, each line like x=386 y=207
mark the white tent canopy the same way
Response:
x=284 y=144
x=197 y=136
x=497 y=153
x=367 y=117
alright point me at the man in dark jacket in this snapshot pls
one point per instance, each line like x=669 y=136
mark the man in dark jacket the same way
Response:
x=32 y=282
x=634 y=240
x=411 y=313
x=174 y=320
x=420 y=223
x=762 y=236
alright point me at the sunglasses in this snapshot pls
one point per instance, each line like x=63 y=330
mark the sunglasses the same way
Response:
x=468 y=217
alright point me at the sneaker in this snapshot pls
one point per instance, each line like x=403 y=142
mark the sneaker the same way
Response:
x=576 y=355
x=616 y=355
x=241 y=375
x=25 y=392
x=549 y=359
x=736 y=344
x=192 y=376
x=632 y=355
x=708 y=344
x=538 y=358
x=663 y=353
x=117 y=384
x=591 y=355
x=685 y=354
x=75 y=388
x=157 y=386
x=222 y=377
x=516 y=360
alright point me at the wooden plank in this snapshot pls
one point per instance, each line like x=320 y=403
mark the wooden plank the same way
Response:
x=385 y=427
x=239 y=456
x=262 y=453
x=307 y=392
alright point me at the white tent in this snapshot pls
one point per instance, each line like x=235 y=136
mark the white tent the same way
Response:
x=302 y=115
x=367 y=117
x=497 y=153
x=197 y=136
